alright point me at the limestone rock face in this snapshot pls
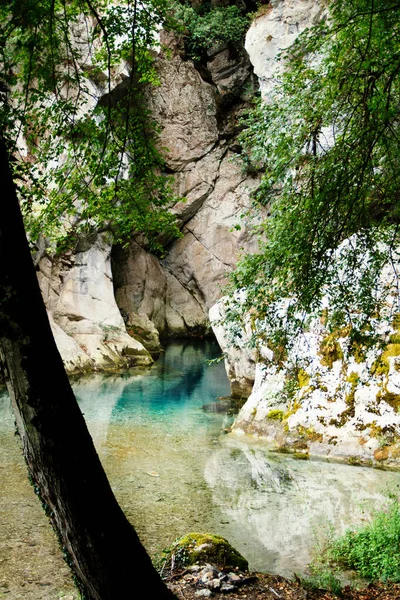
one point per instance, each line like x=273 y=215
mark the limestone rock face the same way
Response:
x=170 y=297
x=75 y=359
x=152 y=300
x=328 y=394
x=275 y=30
x=198 y=117
x=88 y=327
x=209 y=249
x=176 y=293
x=184 y=105
x=328 y=397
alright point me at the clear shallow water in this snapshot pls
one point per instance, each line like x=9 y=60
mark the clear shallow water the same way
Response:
x=173 y=470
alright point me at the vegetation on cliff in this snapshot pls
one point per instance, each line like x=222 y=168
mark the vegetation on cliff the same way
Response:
x=74 y=115
x=327 y=138
x=206 y=26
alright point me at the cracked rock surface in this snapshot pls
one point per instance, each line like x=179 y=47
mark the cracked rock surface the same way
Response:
x=105 y=318
x=210 y=178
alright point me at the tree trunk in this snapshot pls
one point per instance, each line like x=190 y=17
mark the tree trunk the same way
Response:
x=99 y=543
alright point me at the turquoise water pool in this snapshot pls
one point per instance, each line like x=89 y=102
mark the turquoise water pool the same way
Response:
x=174 y=469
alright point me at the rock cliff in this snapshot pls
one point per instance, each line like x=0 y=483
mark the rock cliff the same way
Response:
x=87 y=325
x=275 y=28
x=198 y=111
x=333 y=394
x=198 y=132
x=104 y=317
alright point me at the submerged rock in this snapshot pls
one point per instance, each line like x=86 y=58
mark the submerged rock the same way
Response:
x=217 y=407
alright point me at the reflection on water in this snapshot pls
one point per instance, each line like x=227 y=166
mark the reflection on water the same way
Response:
x=173 y=470
x=284 y=506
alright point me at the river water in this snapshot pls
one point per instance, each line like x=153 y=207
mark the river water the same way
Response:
x=174 y=470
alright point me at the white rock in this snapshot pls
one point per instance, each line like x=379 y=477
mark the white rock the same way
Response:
x=84 y=314
x=240 y=362
x=276 y=30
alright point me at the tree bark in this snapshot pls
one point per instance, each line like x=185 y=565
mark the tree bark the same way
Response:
x=99 y=543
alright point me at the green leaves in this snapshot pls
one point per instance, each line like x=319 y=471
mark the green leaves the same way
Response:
x=207 y=27
x=328 y=138
x=373 y=550
x=88 y=157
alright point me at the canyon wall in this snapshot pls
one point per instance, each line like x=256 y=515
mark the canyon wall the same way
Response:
x=330 y=395
x=198 y=130
x=109 y=306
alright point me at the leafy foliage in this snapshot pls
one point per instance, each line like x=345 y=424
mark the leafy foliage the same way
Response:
x=90 y=159
x=328 y=139
x=323 y=579
x=208 y=26
x=373 y=551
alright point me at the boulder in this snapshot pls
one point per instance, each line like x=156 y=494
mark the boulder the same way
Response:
x=201 y=548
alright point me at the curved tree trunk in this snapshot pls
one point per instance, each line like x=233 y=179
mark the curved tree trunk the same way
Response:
x=100 y=545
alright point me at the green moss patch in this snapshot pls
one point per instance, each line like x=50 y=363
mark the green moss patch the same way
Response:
x=294 y=407
x=330 y=350
x=303 y=378
x=309 y=433
x=392 y=399
x=382 y=365
x=276 y=414
x=353 y=378
x=200 y=548
x=344 y=416
x=395 y=338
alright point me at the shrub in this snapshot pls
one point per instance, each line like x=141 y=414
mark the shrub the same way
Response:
x=372 y=551
x=211 y=27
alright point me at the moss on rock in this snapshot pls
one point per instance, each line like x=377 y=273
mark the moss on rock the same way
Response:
x=330 y=350
x=392 y=399
x=276 y=414
x=303 y=378
x=382 y=364
x=200 y=548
